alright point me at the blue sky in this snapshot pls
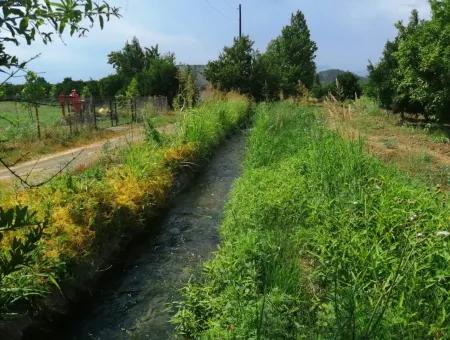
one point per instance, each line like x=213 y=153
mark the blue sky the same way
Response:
x=348 y=32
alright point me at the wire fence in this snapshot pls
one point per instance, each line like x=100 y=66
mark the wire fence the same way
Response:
x=67 y=115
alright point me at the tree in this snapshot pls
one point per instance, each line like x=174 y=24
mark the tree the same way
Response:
x=155 y=74
x=291 y=56
x=132 y=89
x=129 y=61
x=86 y=93
x=33 y=92
x=413 y=74
x=159 y=77
x=29 y=20
x=347 y=86
x=234 y=68
x=109 y=86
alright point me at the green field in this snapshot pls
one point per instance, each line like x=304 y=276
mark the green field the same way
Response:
x=16 y=121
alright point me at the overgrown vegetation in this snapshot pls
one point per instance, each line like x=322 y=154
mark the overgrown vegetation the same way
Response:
x=91 y=213
x=321 y=240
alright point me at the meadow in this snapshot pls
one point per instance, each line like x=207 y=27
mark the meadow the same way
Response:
x=321 y=240
x=78 y=222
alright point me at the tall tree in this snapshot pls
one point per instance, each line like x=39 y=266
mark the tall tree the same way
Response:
x=291 y=56
x=233 y=70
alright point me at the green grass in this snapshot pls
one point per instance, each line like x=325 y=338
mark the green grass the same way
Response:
x=322 y=241
x=17 y=122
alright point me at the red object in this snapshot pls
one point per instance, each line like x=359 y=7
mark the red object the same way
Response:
x=75 y=101
x=62 y=99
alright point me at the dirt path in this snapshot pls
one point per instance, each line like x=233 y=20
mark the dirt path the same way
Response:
x=84 y=156
x=411 y=149
x=134 y=301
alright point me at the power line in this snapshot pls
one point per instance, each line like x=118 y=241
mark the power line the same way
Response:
x=218 y=10
x=240 y=21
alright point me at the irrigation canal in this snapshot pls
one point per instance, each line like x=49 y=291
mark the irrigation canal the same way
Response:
x=134 y=302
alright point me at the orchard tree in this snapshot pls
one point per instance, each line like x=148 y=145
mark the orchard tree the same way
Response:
x=234 y=68
x=414 y=72
x=291 y=56
x=32 y=93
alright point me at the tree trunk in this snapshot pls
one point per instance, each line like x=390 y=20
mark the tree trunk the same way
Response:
x=38 y=123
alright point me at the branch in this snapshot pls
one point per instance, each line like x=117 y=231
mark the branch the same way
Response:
x=19 y=67
x=26 y=183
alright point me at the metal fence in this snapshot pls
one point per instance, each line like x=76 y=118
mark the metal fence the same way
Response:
x=101 y=112
x=68 y=115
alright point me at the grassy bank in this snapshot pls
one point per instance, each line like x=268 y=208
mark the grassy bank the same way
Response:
x=321 y=240
x=86 y=217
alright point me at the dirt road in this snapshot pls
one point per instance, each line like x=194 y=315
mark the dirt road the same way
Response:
x=79 y=157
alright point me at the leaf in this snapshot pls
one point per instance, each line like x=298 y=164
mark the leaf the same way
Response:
x=52 y=280
x=23 y=24
x=100 y=19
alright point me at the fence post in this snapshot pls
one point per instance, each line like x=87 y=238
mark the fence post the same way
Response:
x=116 y=115
x=111 y=112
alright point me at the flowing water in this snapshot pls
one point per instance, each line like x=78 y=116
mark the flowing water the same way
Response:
x=133 y=304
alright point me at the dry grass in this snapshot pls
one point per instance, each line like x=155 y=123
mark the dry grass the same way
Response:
x=414 y=148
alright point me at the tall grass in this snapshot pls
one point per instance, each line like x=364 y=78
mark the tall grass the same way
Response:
x=321 y=240
x=90 y=214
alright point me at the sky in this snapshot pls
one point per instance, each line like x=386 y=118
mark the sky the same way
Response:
x=348 y=33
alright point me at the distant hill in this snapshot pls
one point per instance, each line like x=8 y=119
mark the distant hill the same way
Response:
x=198 y=71
x=329 y=76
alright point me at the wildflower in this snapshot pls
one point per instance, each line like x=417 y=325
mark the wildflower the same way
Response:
x=443 y=233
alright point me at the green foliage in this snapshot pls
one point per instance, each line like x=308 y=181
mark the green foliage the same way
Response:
x=287 y=65
x=188 y=93
x=31 y=20
x=412 y=76
x=32 y=93
x=320 y=240
x=34 y=89
x=234 y=68
x=130 y=61
x=132 y=89
x=346 y=87
x=86 y=93
x=17 y=283
x=111 y=85
x=154 y=73
x=291 y=56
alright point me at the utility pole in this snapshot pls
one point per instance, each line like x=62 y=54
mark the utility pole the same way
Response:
x=240 y=21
